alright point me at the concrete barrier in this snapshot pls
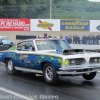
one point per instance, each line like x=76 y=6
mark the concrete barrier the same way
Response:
x=81 y=46
x=74 y=46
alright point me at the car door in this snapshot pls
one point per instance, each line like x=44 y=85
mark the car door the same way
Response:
x=26 y=58
x=18 y=55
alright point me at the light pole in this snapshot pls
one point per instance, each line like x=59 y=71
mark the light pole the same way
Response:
x=50 y=9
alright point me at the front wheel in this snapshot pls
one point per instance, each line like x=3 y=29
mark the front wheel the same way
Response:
x=89 y=76
x=50 y=74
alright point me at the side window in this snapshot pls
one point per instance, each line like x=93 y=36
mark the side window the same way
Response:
x=19 y=46
x=26 y=46
x=29 y=46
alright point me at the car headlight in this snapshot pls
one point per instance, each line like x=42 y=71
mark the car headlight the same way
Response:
x=67 y=62
x=99 y=60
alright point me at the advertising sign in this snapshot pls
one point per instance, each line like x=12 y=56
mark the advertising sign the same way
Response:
x=45 y=25
x=74 y=25
x=14 y=24
x=94 y=25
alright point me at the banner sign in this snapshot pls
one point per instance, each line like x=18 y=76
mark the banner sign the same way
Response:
x=14 y=24
x=74 y=25
x=94 y=25
x=45 y=25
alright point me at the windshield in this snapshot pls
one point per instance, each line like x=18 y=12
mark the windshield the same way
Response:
x=52 y=44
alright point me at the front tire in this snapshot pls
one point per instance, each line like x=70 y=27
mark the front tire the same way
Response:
x=10 y=67
x=89 y=76
x=50 y=75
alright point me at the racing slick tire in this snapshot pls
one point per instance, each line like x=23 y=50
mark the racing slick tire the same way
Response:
x=89 y=76
x=10 y=67
x=50 y=75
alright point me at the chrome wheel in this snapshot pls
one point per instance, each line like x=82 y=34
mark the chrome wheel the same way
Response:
x=49 y=73
x=10 y=65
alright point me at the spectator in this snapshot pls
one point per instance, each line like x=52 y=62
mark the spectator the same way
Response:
x=39 y=36
x=91 y=39
x=66 y=37
x=49 y=36
x=88 y=39
x=97 y=38
x=45 y=35
x=78 y=39
x=61 y=37
x=69 y=40
x=84 y=39
x=73 y=39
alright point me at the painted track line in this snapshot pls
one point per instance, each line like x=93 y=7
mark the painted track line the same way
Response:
x=15 y=94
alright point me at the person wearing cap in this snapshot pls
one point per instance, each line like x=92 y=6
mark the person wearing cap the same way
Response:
x=45 y=35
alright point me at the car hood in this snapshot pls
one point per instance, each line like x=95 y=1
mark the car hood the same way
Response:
x=61 y=54
x=73 y=55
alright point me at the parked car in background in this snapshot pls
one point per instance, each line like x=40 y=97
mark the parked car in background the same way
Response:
x=5 y=41
x=50 y=57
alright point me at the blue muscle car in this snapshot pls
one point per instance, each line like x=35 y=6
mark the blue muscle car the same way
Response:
x=50 y=57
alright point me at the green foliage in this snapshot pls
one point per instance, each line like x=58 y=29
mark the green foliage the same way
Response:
x=67 y=9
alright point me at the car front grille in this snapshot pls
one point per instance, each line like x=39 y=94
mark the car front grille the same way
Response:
x=94 y=60
x=78 y=61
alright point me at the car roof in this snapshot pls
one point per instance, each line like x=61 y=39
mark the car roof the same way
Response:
x=40 y=39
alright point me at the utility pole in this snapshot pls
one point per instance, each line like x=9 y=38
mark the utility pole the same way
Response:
x=50 y=9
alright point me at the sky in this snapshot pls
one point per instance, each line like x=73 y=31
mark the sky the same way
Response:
x=94 y=0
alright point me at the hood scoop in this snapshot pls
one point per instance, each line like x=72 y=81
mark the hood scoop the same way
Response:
x=69 y=51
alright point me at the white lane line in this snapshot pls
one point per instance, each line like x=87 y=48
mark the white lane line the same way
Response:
x=2 y=63
x=15 y=94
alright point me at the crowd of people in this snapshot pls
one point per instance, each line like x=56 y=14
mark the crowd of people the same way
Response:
x=76 y=39
x=89 y=39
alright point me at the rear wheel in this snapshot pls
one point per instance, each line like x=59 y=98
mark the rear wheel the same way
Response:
x=50 y=74
x=89 y=76
x=10 y=67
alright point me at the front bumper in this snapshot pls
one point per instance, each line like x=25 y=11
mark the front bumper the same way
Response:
x=78 y=70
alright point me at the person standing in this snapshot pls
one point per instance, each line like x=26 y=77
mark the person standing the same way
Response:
x=78 y=39
x=69 y=40
x=93 y=39
x=66 y=38
x=97 y=38
x=61 y=37
x=45 y=35
x=39 y=36
x=73 y=39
